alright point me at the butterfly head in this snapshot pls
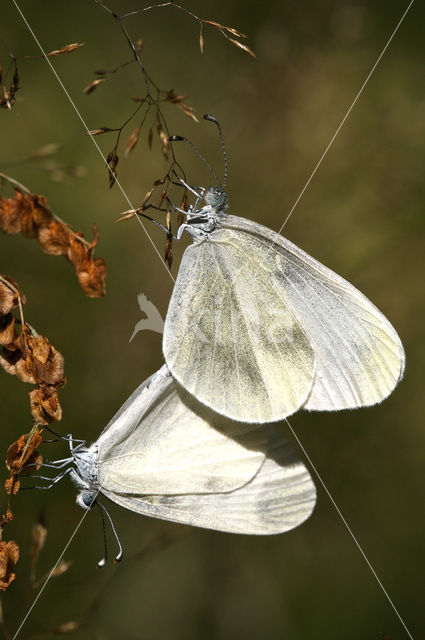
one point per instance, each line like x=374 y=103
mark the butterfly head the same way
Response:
x=216 y=198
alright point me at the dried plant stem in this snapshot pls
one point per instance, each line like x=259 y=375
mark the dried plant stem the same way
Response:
x=15 y=183
x=25 y=190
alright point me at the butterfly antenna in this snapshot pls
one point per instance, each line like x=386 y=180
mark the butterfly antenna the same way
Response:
x=182 y=139
x=102 y=562
x=208 y=116
x=58 y=435
x=119 y=555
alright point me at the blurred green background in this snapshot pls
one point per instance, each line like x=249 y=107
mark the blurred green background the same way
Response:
x=362 y=215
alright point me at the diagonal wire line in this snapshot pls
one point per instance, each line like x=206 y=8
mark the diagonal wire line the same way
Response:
x=50 y=574
x=88 y=131
x=347 y=526
x=156 y=250
x=322 y=157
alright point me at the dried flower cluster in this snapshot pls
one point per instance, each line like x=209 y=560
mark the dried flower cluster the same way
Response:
x=151 y=101
x=30 y=215
x=29 y=356
x=21 y=458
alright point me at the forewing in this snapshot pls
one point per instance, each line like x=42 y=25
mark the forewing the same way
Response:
x=280 y=497
x=161 y=443
x=359 y=356
x=221 y=339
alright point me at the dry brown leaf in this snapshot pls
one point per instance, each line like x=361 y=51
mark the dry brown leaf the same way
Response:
x=9 y=556
x=132 y=141
x=201 y=42
x=67 y=49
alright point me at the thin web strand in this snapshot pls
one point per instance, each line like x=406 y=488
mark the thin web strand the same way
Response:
x=345 y=117
x=88 y=132
x=51 y=573
x=347 y=526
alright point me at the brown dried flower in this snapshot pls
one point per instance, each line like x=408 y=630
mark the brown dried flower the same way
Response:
x=91 y=277
x=10 y=215
x=45 y=405
x=91 y=273
x=30 y=214
x=9 y=556
x=54 y=238
x=40 y=361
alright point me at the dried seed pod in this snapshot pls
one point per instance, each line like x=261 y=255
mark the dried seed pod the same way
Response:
x=7 y=329
x=112 y=162
x=22 y=453
x=92 y=86
x=45 y=405
x=66 y=49
x=54 y=238
x=132 y=141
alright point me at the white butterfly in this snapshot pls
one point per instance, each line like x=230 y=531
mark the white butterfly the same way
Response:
x=165 y=455
x=257 y=329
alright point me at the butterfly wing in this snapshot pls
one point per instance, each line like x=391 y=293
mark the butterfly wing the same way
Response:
x=161 y=443
x=279 y=497
x=359 y=356
x=221 y=340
